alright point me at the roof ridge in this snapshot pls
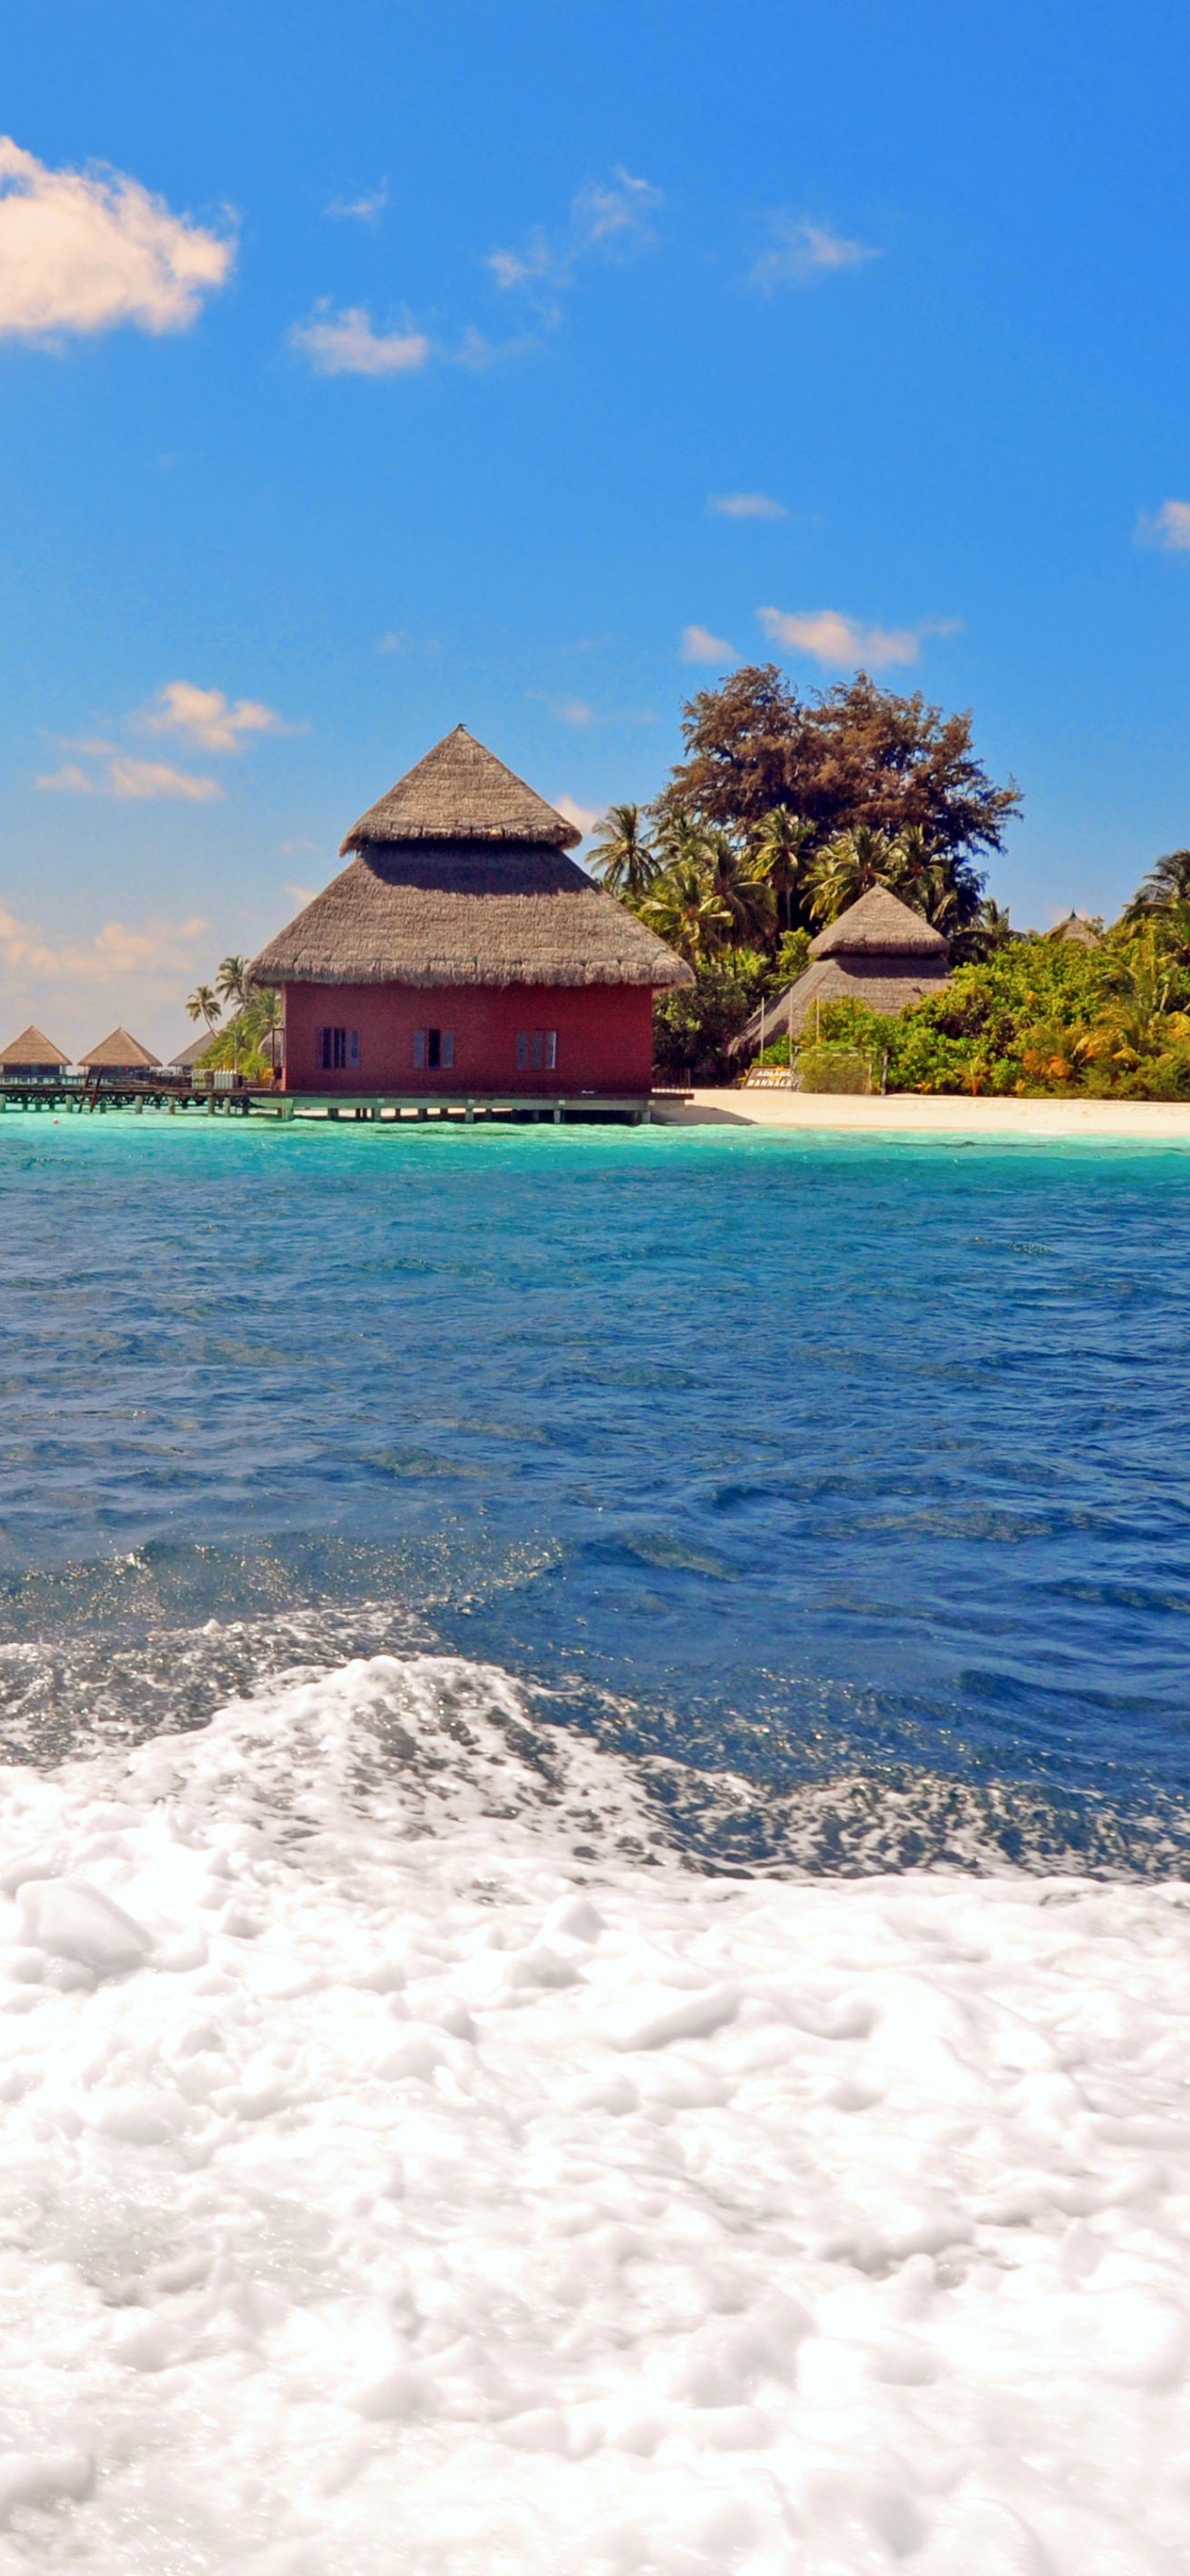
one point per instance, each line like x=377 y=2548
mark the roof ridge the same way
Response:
x=879 y=922
x=461 y=791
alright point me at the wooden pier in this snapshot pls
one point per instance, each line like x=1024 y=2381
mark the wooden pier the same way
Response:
x=84 y=1096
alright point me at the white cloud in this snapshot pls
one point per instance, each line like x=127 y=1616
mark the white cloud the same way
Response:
x=87 y=250
x=1169 y=528
x=583 y=817
x=207 y=717
x=302 y=895
x=800 y=250
x=155 y=948
x=364 y=209
x=841 y=643
x=612 y=214
x=397 y=641
x=345 y=344
x=745 y=505
x=478 y=353
x=699 y=645
x=148 y=780
x=69 y=779
x=142 y=781
x=572 y=711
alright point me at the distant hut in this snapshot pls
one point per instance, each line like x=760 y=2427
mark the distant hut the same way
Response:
x=119 y=1056
x=33 y=1058
x=878 y=952
x=463 y=951
x=188 y=1056
x=1076 y=931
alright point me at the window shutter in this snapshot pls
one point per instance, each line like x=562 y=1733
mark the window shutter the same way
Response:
x=448 y=1047
x=353 y=1046
x=522 y=1050
x=419 y=1048
x=551 y=1048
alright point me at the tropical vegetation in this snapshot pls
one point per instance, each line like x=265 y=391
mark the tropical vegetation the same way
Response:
x=241 y=1044
x=785 y=809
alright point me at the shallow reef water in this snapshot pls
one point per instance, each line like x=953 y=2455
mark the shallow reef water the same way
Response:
x=850 y=1469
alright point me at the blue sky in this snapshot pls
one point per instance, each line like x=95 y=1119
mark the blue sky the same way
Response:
x=374 y=367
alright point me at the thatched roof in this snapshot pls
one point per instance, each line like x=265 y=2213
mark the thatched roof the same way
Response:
x=884 y=983
x=33 y=1048
x=1077 y=931
x=879 y=924
x=461 y=878
x=466 y=914
x=121 y=1053
x=192 y=1054
x=460 y=792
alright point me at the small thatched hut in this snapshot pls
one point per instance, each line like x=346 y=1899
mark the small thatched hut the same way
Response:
x=33 y=1057
x=188 y=1056
x=119 y=1055
x=1076 y=931
x=462 y=950
x=879 y=952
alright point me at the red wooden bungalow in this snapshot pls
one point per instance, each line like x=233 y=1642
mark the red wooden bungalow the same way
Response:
x=462 y=951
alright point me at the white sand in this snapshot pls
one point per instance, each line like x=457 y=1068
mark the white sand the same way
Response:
x=912 y=1113
x=386 y=2187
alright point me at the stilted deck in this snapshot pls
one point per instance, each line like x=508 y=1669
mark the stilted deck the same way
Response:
x=81 y=1095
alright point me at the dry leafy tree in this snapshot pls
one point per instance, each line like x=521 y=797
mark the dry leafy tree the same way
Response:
x=835 y=759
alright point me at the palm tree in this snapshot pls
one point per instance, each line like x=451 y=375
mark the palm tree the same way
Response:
x=205 y=1005
x=780 y=857
x=625 y=857
x=849 y=866
x=1167 y=883
x=233 y=981
x=745 y=892
x=682 y=906
x=1138 y=984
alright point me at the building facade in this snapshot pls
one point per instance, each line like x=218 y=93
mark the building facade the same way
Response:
x=463 y=951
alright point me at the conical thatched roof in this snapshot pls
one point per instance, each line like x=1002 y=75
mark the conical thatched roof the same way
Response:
x=35 y=1049
x=1077 y=931
x=883 y=982
x=465 y=914
x=462 y=878
x=121 y=1051
x=879 y=924
x=191 y=1055
x=460 y=792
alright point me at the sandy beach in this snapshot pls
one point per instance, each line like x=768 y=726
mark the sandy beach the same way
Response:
x=910 y=1113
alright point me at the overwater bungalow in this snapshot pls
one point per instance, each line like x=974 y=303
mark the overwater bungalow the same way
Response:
x=33 y=1058
x=119 y=1056
x=189 y=1056
x=879 y=952
x=463 y=950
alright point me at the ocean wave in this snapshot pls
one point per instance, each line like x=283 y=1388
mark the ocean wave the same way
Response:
x=411 y=2159
x=829 y=1804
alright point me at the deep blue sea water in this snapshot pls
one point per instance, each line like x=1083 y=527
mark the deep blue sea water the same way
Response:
x=842 y=1482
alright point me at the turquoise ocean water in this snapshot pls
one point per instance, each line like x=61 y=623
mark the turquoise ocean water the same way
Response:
x=841 y=1483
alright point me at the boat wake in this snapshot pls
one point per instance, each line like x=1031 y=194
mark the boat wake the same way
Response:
x=420 y=2151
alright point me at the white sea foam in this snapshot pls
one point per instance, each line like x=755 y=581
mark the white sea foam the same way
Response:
x=408 y=2163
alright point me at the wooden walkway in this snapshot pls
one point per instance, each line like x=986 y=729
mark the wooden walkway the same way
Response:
x=82 y=1096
